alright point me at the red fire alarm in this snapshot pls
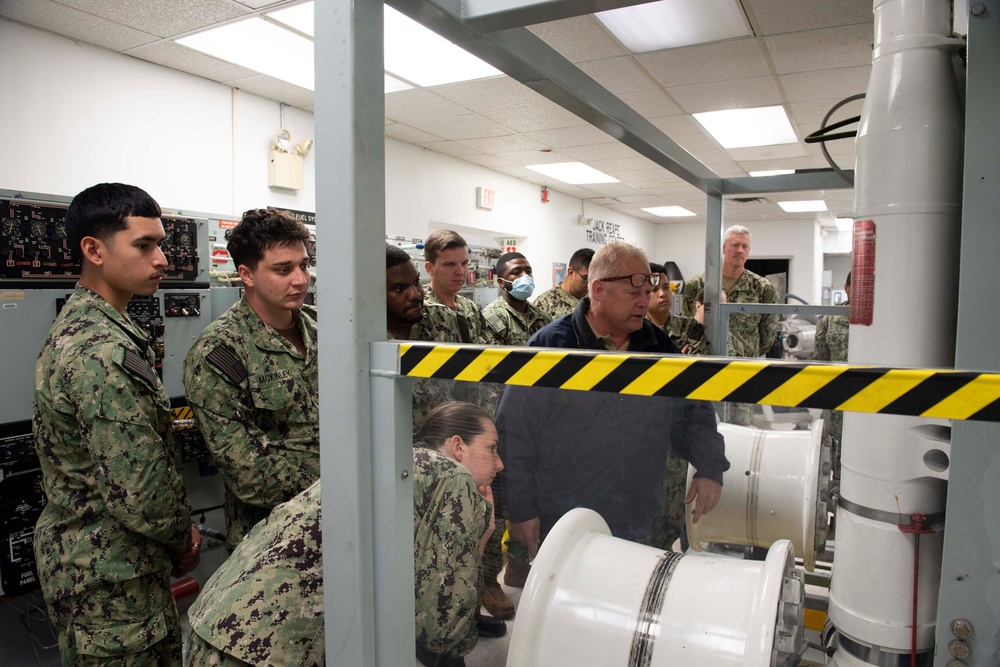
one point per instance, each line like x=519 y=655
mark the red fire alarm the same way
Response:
x=545 y=195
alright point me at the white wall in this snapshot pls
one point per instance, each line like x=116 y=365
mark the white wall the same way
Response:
x=797 y=240
x=426 y=191
x=76 y=115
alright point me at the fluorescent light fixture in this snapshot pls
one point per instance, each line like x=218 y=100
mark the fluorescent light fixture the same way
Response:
x=299 y=17
x=261 y=46
x=804 y=206
x=414 y=53
x=574 y=173
x=772 y=172
x=392 y=84
x=742 y=128
x=844 y=224
x=670 y=211
x=669 y=24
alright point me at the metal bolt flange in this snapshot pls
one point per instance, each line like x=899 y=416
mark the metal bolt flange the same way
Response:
x=959 y=648
x=962 y=628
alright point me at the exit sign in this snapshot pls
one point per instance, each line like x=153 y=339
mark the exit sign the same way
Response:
x=485 y=197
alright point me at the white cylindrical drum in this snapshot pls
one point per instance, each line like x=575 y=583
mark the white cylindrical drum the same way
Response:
x=596 y=600
x=800 y=340
x=776 y=488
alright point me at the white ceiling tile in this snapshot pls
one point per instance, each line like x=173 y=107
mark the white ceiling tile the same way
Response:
x=705 y=63
x=409 y=134
x=804 y=162
x=639 y=175
x=619 y=75
x=829 y=48
x=75 y=24
x=533 y=119
x=471 y=126
x=810 y=114
x=492 y=94
x=571 y=136
x=165 y=19
x=650 y=103
x=613 y=189
x=745 y=94
x=600 y=152
x=572 y=191
x=827 y=84
x=642 y=200
x=534 y=157
x=508 y=144
x=489 y=161
x=779 y=16
x=579 y=38
x=452 y=148
x=408 y=106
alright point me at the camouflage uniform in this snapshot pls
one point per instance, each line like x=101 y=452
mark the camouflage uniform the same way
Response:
x=557 y=302
x=449 y=519
x=256 y=400
x=751 y=334
x=469 y=315
x=116 y=508
x=509 y=327
x=675 y=328
x=832 y=333
x=264 y=606
x=755 y=332
x=440 y=324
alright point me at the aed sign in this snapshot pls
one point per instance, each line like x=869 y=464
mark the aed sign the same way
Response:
x=485 y=198
x=508 y=245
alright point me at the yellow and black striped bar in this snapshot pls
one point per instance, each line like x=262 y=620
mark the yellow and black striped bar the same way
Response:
x=946 y=394
x=181 y=419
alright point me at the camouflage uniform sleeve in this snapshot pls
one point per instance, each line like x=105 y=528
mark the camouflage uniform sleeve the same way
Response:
x=133 y=469
x=768 y=326
x=447 y=565
x=822 y=350
x=691 y=289
x=241 y=449
x=495 y=327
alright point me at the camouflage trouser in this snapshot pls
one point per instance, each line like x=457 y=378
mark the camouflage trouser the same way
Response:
x=737 y=413
x=199 y=653
x=668 y=520
x=129 y=624
x=493 y=553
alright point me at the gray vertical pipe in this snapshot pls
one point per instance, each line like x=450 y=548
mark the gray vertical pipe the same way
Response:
x=350 y=229
x=716 y=325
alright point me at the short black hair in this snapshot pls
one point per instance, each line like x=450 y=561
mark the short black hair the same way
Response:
x=101 y=211
x=847 y=283
x=656 y=268
x=581 y=259
x=501 y=266
x=394 y=256
x=260 y=229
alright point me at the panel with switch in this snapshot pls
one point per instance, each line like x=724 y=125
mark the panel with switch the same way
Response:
x=182 y=305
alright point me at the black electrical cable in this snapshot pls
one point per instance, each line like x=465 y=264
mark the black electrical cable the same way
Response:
x=823 y=128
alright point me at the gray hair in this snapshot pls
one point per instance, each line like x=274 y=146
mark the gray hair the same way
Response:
x=608 y=260
x=735 y=229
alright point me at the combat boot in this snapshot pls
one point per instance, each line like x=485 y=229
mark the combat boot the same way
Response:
x=496 y=601
x=516 y=574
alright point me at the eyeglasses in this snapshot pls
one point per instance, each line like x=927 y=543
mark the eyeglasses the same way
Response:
x=584 y=276
x=638 y=279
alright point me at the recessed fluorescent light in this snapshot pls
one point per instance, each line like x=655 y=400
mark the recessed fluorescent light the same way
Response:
x=574 y=173
x=299 y=17
x=772 y=172
x=392 y=84
x=261 y=46
x=844 y=224
x=414 y=53
x=741 y=128
x=669 y=24
x=804 y=206
x=670 y=211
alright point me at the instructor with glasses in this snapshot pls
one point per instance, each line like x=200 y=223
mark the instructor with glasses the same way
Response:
x=600 y=450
